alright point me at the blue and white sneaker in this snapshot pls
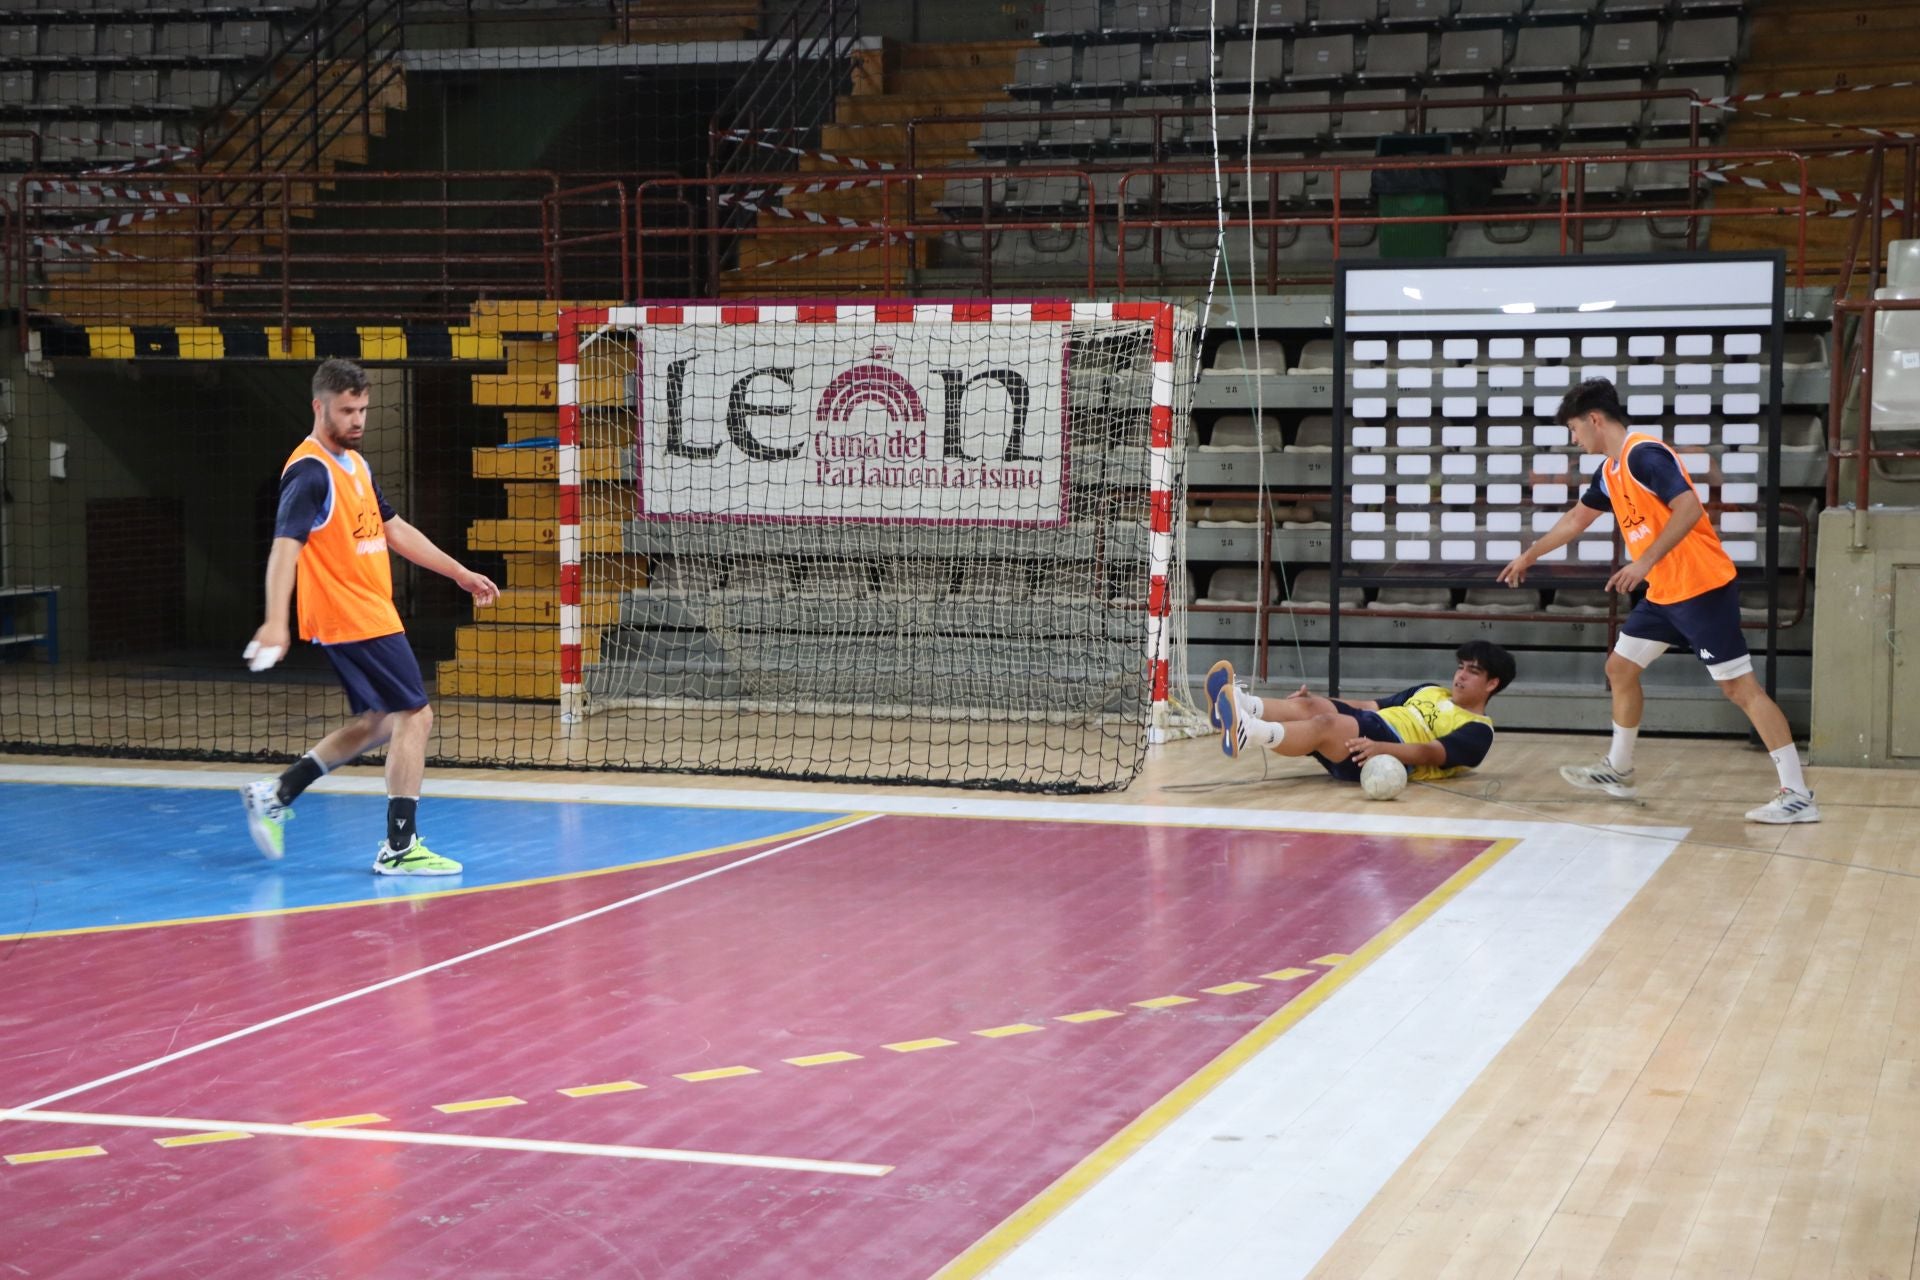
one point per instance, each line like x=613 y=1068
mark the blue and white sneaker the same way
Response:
x=1226 y=714
x=1219 y=676
x=267 y=818
x=1617 y=783
x=1786 y=806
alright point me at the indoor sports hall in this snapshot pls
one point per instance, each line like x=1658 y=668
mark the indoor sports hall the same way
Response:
x=1076 y=640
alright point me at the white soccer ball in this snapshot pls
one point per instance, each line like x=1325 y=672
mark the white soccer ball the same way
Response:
x=1383 y=777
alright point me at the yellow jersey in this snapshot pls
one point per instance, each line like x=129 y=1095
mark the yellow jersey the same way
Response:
x=1428 y=713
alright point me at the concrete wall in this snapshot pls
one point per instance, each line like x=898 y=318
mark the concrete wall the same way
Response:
x=1866 y=639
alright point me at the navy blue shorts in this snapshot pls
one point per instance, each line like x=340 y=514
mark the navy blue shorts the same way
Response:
x=1708 y=624
x=1372 y=726
x=379 y=674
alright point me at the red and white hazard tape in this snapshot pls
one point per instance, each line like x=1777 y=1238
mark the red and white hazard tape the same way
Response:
x=801 y=215
x=1794 y=189
x=1778 y=95
x=56 y=244
x=151 y=195
x=856 y=247
x=576 y=323
x=117 y=222
x=851 y=162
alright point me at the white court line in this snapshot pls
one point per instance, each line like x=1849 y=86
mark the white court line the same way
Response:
x=395 y=981
x=959 y=805
x=417 y=1139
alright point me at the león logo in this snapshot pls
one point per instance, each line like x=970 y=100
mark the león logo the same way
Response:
x=870 y=384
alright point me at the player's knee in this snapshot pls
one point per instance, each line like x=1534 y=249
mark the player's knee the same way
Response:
x=1622 y=670
x=421 y=718
x=1740 y=690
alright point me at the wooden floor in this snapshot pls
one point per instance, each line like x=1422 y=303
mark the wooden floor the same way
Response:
x=1724 y=1086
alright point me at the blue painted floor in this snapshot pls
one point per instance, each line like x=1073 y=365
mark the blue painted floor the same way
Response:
x=81 y=857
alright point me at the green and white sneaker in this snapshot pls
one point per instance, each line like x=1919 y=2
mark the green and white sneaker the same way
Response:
x=414 y=860
x=267 y=818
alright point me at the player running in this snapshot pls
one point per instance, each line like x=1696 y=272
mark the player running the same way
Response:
x=1692 y=599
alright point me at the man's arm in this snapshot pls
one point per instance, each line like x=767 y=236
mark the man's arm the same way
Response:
x=1686 y=513
x=416 y=546
x=1411 y=754
x=1569 y=527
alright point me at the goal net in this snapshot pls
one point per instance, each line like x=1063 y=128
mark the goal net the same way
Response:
x=895 y=542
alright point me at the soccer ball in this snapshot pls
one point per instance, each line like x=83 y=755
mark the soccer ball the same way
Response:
x=1383 y=778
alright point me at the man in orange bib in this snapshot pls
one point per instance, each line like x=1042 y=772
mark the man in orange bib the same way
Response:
x=1692 y=599
x=331 y=536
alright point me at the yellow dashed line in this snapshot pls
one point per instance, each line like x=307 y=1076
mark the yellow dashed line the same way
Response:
x=201 y=1139
x=595 y=1090
x=718 y=1073
x=1286 y=975
x=1331 y=959
x=1011 y=1029
x=1091 y=1015
x=64 y=1153
x=822 y=1059
x=480 y=1104
x=1162 y=1002
x=341 y=1122
x=1230 y=988
x=914 y=1046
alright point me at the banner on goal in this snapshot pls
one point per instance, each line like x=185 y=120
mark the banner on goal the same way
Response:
x=915 y=541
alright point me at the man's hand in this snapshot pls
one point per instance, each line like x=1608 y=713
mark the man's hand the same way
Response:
x=1627 y=579
x=1361 y=750
x=268 y=646
x=477 y=585
x=1516 y=571
x=1301 y=692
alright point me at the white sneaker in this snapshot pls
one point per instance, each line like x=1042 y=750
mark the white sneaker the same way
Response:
x=1617 y=783
x=1787 y=805
x=266 y=816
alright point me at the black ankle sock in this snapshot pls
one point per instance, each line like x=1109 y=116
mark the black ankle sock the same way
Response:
x=300 y=775
x=400 y=816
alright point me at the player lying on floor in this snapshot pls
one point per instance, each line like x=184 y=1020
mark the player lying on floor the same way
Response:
x=1436 y=731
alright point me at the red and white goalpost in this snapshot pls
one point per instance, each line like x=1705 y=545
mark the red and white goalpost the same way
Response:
x=912 y=541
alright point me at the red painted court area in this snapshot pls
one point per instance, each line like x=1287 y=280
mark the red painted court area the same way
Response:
x=1008 y=996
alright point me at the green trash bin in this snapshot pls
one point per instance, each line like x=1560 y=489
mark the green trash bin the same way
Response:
x=1412 y=193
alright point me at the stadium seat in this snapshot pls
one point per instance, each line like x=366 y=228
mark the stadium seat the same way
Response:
x=71 y=140
x=70 y=88
x=1488 y=10
x=1337 y=15
x=1802 y=432
x=1397 y=57
x=1354 y=184
x=1806 y=350
x=1409 y=599
x=21 y=41
x=1298 y=126
x=1228 y=116
x=1109 y=66
x=1499 y=600
x=1370 y=122
x=909 y=579
x=1313 y=588
x=1069 y=18
x=1478 y=54
x=1135 y=133
x=1272 y=15
x=1623 y=46
x=1455 y=120
x=193 y=88
x=1240 y=355
x=1545 y=51
x=1313 y=435
x=138 y=137
x=131 y=88
x=1610 y=10
x=243 y=41
x=1315 y=357
x=1533 y=120
x=1675 y=114
x=1579 y=604
x=1253 y=62
x=1321 y=58
x=835 y=580
x=1141 y=17
x=1236 y=585
x=1417 y=13
x=1078 y=136
x=687 y=575
x=1561 y=10
x=1240 y=431
x=756 y=576
x=125 y=40
x=186 y=39
x=1193 y=190
x=1660 y=177
x=17 y=89
x=1179 y=64
x=1903 y=264
x=1055 y=191
x=1042 y=71
x=1704 y=43
x=1286 y=189
x=1016 y=129
x=995 y=580
x=1196 y=17
x=1618 y=117
x=1601 y=179
x=67 y=40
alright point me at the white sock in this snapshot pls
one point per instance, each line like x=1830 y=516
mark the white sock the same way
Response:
x=1786 y=761
x=1262 y=733
x=1620 y=755
x=1250 y=705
